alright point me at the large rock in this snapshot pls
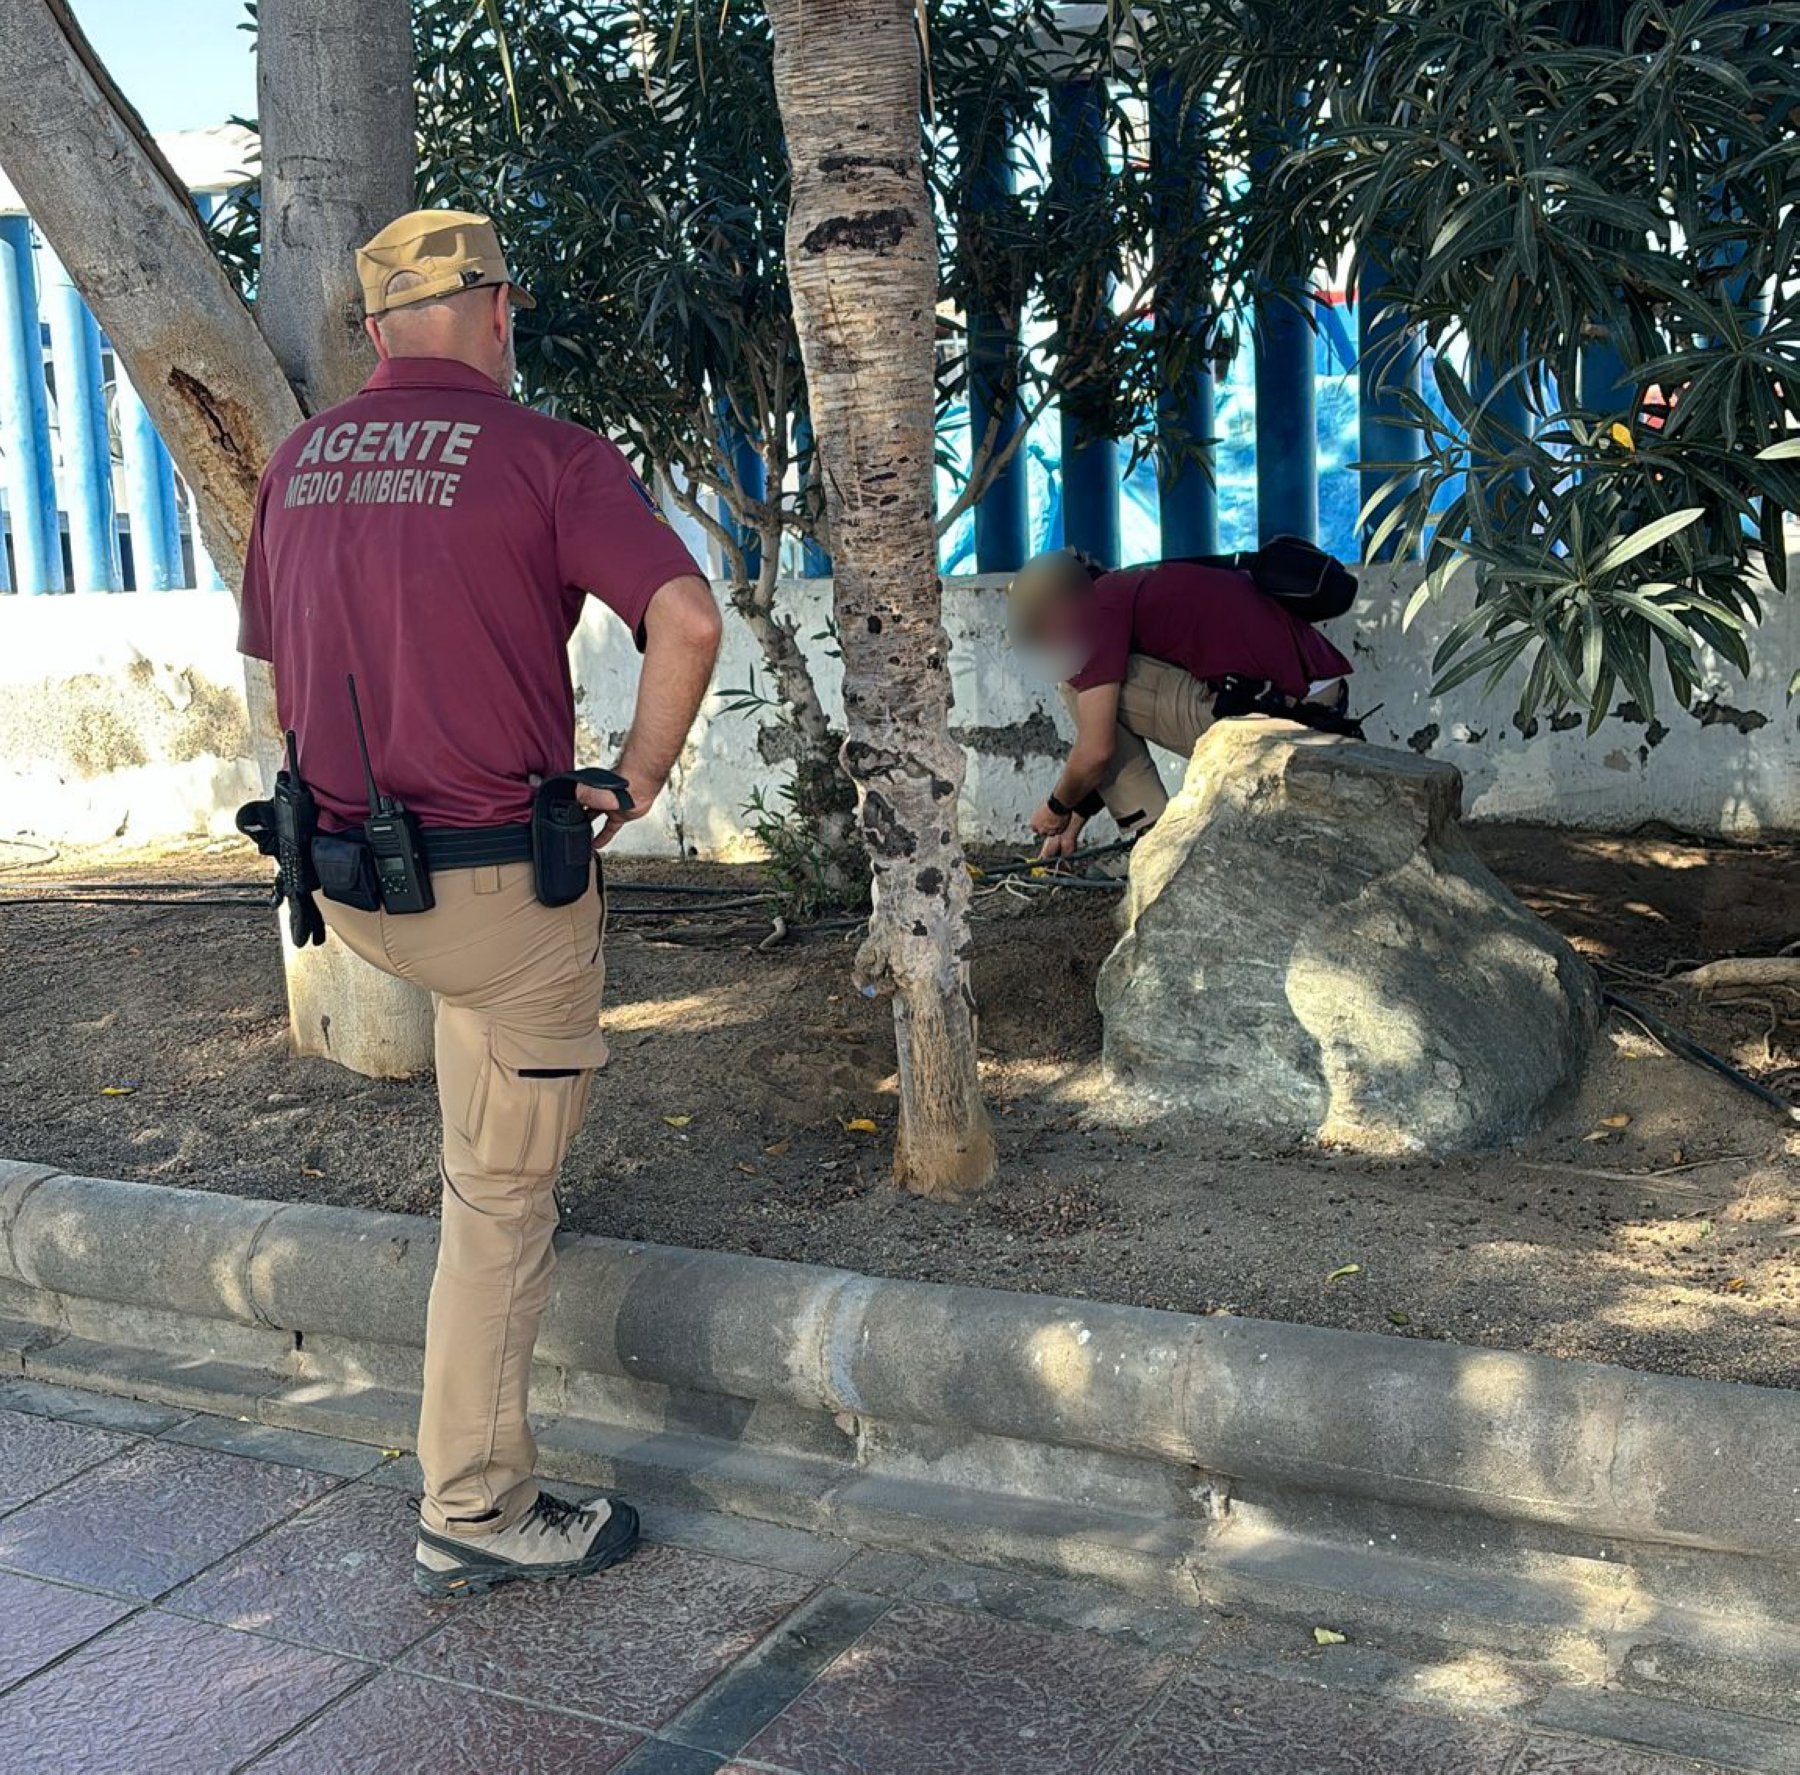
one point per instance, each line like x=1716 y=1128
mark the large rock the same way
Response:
x=1313 y=951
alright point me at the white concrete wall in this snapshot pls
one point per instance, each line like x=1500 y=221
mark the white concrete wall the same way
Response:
x=123 y=716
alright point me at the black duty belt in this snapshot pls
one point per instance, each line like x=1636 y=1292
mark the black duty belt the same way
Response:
x=470 y=847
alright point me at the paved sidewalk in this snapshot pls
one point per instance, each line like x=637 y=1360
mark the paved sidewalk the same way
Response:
x=183 y=1594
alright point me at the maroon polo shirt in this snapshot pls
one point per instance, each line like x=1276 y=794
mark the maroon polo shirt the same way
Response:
x=437 y=539
x=1211 y=621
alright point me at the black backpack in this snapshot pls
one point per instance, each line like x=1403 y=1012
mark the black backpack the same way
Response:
x=1297 y=574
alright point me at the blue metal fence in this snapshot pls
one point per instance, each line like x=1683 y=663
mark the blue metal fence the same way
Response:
x=1239 y=451
x=64 y=492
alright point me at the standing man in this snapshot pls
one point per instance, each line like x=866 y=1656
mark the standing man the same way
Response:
x=1157 y=654
x=436 y=540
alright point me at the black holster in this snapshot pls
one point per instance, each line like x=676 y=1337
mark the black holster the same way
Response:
x=283 y=827
x=562 y=833
x=1234 y=697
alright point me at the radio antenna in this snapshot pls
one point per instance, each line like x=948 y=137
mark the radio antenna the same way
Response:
x=362 y=746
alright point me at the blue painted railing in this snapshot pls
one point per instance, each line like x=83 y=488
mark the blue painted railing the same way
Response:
x=57 y=462
x=1243 y=451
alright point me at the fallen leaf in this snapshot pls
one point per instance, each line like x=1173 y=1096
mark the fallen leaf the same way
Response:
x=392 y=1454
x=1599 y=1134
x=1706 y=1227
x=1735 y=1285
x=1328 y=1636
x=1396 y=1317
x=1343 y=1270
x=780 y=1149
x=678 y=1121
x=1621 y=435
x=861 y=1125
x=748 y=1170
x=117 y=1090
x=1618 y=1121
x=308 y=1171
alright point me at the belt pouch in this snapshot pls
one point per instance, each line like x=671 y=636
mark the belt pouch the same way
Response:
x=562 y=843
x=346 y=868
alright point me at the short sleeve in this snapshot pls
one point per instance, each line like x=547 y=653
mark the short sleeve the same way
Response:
x=1108 y=626
x=611 y=540
x=255 y=618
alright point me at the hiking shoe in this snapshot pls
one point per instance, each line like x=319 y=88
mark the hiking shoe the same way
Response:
x=553 y=1539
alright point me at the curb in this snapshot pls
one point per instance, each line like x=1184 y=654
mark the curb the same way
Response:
x=1203 y=1458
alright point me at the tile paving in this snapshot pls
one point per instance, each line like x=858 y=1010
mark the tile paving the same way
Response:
x=181 y=1595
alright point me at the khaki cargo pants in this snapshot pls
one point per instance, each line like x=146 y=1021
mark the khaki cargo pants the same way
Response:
x=1160 y=704
x=517 y=990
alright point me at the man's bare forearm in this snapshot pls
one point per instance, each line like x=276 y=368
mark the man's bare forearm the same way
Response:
x=681 y=644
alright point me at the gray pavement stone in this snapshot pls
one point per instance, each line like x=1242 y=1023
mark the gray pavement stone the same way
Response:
x=45 y=1621
x=633 y=1647
x=405 y=1725
x=1566 y=1756
x=151 y=1516
x=37 y=1454
x=934 y=1692
x=337 y=1576
x=744 y=1538
x=747 y=1697
x=1738 y=1741
x=1243 y=1725
x=158 y=1694
x=130 y=1417
x=715 y=1640
x=284 y=1448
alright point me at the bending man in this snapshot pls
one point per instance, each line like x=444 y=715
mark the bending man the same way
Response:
x=438 y=540
x=1157 y=654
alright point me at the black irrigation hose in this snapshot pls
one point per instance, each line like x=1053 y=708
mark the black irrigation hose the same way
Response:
x=262 y=905
x=1001 y=871
x=1689 y=1049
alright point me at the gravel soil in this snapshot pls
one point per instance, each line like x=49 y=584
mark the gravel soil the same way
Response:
x=1653 y=1222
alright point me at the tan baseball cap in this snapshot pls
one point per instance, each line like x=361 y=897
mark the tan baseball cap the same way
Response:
x=447 y=250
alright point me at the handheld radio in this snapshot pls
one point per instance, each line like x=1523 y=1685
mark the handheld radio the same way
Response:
x=393 y=834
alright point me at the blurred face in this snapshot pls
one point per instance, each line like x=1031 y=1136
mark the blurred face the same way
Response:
x=1051 y=640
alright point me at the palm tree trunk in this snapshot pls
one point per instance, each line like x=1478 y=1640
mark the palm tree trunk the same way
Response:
x=862 y=263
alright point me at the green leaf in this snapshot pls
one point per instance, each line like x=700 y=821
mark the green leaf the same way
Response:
x=1642 y=540
x=1417 y=602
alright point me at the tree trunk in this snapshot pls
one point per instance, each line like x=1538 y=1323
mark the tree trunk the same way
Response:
x=132 y=240
x=862 y=263
x=128 y=232
x=334 y=95
x=334 y=89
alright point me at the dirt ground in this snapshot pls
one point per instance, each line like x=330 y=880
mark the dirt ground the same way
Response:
x=1653 y=1223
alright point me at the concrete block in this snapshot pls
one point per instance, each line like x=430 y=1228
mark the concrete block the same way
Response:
x=105 y=1411
x=748 y=1327
x=102 y=1239
x=374 y=1415
x=1080 y=1373
x=18 y=1338
x=373 y=1288
x=1335 y=1410
x=17 y=1181
x=284 y=1448
x=946 y=1455
x=690 y=1472
x=1710 y=1465
x=749 y=1541
x=1739 y=1741
x=111 y=1323
x=353 y=1364
x=192 y=1382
